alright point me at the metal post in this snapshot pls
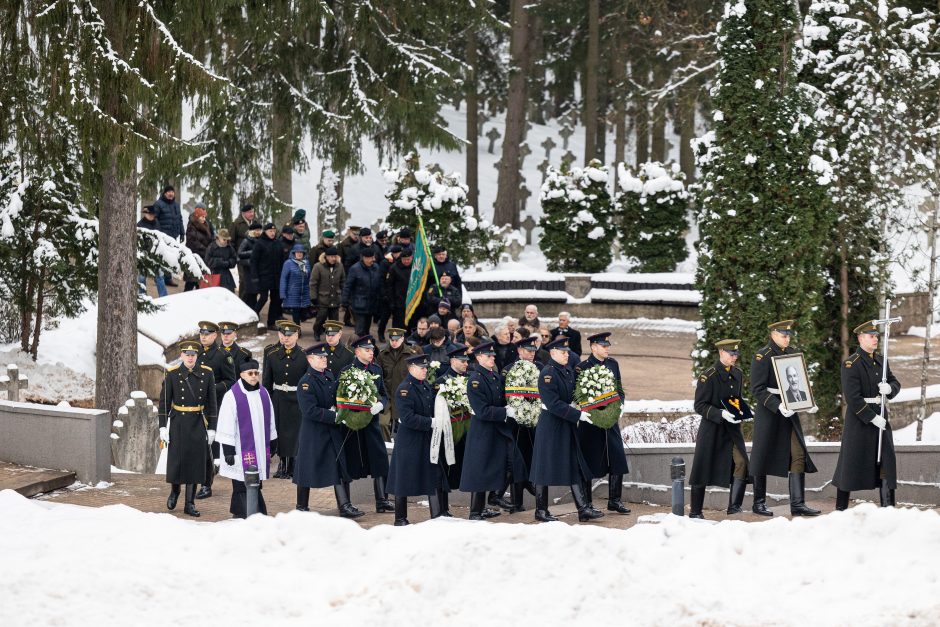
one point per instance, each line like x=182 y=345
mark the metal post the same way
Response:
x=252 y=486
x=887 y=321
x=677 y=472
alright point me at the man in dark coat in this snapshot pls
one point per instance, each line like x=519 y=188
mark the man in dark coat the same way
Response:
x=603 y=448
x=779 y=448
x=188 y=404
x=223 y=371
x=557 y=458
x=525 y=436
x=720 y=453
x=564 y=328
x=396 y=287
x=349 y=247
x=267 y=260
x=392 y=360
x=327 y=240
x=411 y=472
x=491 y=452
x=239 y=232
x=247 y=286
x=443 y=264
x=862 y=387
x=239 y=354
x=169 y=219
x=387 y=258
x=459 y=360
x=362 y=291
x=321 y=461
x=338 y=355
x=284 y=365
x=367 y=454
x=326 y=287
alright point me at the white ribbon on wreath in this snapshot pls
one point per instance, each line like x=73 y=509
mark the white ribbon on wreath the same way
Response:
x=440 y=426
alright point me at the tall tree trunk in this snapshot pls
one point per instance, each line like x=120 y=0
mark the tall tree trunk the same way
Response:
x=506 y=210
x=641 y=113
x=536 y=71
x=116 y=346
x=473 y=108
x=590 y=83
x=281 y=162
x=687 y=133
x=658 y=150
x=330 y=212
x=40 y=307
x=931 y=295
x=618 y=69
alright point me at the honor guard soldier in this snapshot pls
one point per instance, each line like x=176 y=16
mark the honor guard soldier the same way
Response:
x=779 y=448
x=526 y=350
x=187 y=414
x=368 y=455
x=392 y=360
x=459 y=360
x=557 y=459
x=223 y=369
x=858 y=467
x=603 y=449
x=284 y=365
x=411 y=472
x=229 y=333
x=720 y=453
x=338 y=355
x=321 y=460
x=491 y=453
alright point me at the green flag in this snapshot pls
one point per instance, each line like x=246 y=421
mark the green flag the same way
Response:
x=419 y=272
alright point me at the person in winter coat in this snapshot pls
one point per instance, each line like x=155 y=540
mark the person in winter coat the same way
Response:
x=327 y=240
x=169 y=219
x=248 y=286
x=295 y=283
x=198 y=238
x=148 y=220
x=445 y=291
x=287 y=240
x=347 y=247
x=221 y=258
x=239 y=231
x=362 y=291
x=396 y=287
x=326 y=289
x=503 y=346
x=442 y=264
x=385 y=309
x=438 y=346
x=267 y=261
x=394 y=370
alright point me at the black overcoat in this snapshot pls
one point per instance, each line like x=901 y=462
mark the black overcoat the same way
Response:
x=411 y=472
x=285 y=367
x=602 y=448
x=188 y=454
x=321 y=460
x=338 y=358
x=366 y=453
x=713 y=463
x=223 y=368
x=454 y=471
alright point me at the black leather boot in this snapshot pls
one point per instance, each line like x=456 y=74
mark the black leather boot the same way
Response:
x=279 y=473
x=444 y=497
x=842 y=500
x=696 y=500
x=586 y=511
x=498 y=498
x=614 y=494
x=589 y=492
x=382 y=504
x=516 y=490
x=303 y=499
x=346 y=509
x=289 y=468
x=174 y=497
x=541 y=505
x=530 y=487
x=401 y=511
x=797 y=496
x=204 y=492
x=885 y=494
x=434 y=504
x=476 y=505
x=190 y=507
x=736 y=496
x=760 y=496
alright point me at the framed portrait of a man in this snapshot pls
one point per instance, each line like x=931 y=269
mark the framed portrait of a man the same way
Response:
x=796 y=394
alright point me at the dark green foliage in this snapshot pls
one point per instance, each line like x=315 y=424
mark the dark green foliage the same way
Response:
x=653 y=207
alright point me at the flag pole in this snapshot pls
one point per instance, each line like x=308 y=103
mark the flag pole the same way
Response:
x=427 y=251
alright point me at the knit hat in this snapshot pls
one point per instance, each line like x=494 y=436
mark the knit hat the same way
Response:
x=199 y=212
x=300 y=214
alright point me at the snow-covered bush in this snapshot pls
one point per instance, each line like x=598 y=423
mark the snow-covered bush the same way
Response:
x=577 y=219
x=448 y=219
x=652 y=205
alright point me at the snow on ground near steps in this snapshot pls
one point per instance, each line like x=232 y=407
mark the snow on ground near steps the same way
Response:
x=180 y=314
x=931 y=432
x=68 y=565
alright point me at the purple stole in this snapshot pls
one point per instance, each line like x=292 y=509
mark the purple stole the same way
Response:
x=246 y=432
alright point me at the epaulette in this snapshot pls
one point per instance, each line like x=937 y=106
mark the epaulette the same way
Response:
x=760 y=354
x=172 y=368
x=851 y=360
x=206 y=367
x=245 y=351
x=271 y=347
x=709 y=372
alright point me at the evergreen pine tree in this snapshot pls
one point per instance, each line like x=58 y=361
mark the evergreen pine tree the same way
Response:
x=764 y=222
x=652 y=207
x=577 y=219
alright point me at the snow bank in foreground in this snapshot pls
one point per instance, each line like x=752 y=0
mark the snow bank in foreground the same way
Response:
x=75 y=566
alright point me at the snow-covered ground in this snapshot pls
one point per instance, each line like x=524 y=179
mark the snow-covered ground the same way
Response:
x=68 y=565
x=931 y=433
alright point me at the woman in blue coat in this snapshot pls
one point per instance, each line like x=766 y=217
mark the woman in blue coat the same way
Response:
x=491 y=451
x=295 y=283
x=557 y=458
x=411 y=472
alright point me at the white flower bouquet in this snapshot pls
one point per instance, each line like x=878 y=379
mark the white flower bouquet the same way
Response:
x=355 y=395
x=598 y=393
x=522 y=392
x=454 y=391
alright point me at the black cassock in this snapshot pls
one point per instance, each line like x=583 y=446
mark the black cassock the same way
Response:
x=187 y=399
x=283 y=369
x=713 y=463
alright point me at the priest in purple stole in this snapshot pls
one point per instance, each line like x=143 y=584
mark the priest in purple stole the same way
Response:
x=247 y=434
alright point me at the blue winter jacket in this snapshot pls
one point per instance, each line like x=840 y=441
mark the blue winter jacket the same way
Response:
x=169 y=217
x=295 y=281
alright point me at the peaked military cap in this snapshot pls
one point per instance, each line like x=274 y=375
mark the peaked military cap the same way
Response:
x=730 y=346
x=396 y=333
x=460 y=352
x=418 y=360
x=332 y=326
x=228 y=326
x=363 y=341
x=560 y=343
x=287 y=327
x=483 y=348
x=866 y=327
x=783 y=326
x=600 y=338
x=189 y=345
x=205 y=325
x=527 y=343
x=320 y=348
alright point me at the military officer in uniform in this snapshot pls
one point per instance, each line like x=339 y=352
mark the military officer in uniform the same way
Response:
x=338 y=355
x=223 y=369
x=366 y=451
x=603 y=449
x=720 y=453
x=392 y=360
x=491 y=457
x=779 y=448
x=187 y=412
x=858 y=467
x=557 y=458
x=229 y=333
x=411 y=472
x=459 y=360
x=321 y=461
x=284 y=365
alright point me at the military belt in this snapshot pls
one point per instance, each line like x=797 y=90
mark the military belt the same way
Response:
x=187 y=408
x=283 y=387
x=875 y=400
x=774 y=391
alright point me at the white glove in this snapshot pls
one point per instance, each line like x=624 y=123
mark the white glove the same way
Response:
x=879 y=422
x=574 y=405
x=813 y=409
x=786 y=412
x=884 y=388
x=727 y=415
x=510 y=412
x=376 y=408
x=164 y=435
x=333 y=409
x=211 y=434
x=586 y=417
